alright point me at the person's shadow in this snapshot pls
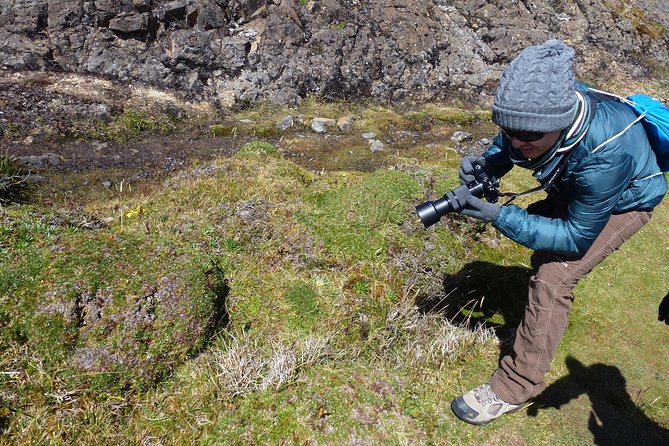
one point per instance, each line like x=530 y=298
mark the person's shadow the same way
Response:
x=483 y=293
x=614 y=419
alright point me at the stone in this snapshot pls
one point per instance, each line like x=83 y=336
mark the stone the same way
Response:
x=318 y=127
x=132 y=25
x=285 y=123
x=377 y=146
x=232 y=54
x=461 y=136
x=369 y=135
x=172 y=12
x=286 y=51
x=321 y=125
x=345 y=123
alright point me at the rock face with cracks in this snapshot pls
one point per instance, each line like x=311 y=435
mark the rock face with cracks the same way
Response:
x=240 y=51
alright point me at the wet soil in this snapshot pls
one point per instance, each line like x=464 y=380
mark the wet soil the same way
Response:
x=33 y=102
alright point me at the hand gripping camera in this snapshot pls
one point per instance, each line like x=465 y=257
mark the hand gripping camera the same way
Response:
x=454 y=201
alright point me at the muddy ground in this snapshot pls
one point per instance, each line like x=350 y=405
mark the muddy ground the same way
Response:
x=44 y=119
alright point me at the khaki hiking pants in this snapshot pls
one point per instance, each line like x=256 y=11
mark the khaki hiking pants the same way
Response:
x=520 y=376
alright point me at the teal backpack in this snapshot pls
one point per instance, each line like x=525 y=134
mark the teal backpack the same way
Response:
x=655 y=119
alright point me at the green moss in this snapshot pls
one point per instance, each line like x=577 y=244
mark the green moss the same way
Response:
x=219 y=130
x=303 y=301
x=349 y=217
x=131 y=124
x=337 y=26
x=107 y=301
x=258 y=149
x=449 y=115
x=643 y=24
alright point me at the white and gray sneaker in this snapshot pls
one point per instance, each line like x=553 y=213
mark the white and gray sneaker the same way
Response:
x=481 y=405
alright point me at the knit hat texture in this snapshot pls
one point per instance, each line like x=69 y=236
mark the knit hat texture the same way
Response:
x=536 y=92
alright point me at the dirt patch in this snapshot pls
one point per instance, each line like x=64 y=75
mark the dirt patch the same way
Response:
x=45 y=117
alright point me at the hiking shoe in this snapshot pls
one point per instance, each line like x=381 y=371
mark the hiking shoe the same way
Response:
x=480 y=406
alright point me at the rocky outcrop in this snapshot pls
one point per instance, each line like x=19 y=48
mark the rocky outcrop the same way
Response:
x=240 y=51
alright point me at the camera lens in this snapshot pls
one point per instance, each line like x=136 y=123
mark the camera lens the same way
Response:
x=431 y=211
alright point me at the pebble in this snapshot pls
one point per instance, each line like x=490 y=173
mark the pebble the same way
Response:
x=460 y=136
x=286 y=123
x=377 y=146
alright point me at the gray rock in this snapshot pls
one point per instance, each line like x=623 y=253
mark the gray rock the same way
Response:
x=172 y=12
x=377 y=146
x=285 y=51
x=232 y=54
x=107 y=184
x=345 y=123
x=321 y=125
x=36 y=179
x=130 y=24
x=285 y=123
x=318 y=127
x=41 y=161
x=461 y=136
x=53 y=159
x=369 y=135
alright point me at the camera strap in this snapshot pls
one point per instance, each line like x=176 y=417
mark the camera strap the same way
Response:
x=542 y=187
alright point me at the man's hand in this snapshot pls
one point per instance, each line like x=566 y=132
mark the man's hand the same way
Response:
x=485 y=211
x=663 y=310
x=466 y=172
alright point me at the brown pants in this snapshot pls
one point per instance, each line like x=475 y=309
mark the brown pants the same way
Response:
x=520 y=376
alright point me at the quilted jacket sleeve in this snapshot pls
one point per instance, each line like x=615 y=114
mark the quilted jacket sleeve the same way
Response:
x=595 y=188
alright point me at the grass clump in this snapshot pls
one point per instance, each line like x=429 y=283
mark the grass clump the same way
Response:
x=129 y=125
x=258 y=149
x=12 y=179
x=449 y=115
x=105 y=311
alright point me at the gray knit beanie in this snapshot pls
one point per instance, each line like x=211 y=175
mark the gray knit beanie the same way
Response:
x=536 y=92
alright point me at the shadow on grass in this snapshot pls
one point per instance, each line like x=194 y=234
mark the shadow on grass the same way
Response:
x=483 y=293
x=614 y=419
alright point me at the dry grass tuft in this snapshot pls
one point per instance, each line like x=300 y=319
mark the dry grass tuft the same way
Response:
x=247 y=366
x=419 y=338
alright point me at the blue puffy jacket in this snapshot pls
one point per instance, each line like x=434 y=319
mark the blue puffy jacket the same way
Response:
x=621 y=176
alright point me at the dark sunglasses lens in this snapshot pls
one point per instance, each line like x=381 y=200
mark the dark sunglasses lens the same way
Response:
x=524 y=136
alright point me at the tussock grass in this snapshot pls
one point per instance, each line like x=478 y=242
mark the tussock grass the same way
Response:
x=13 y=179
x=131 y=124
x=243 y=365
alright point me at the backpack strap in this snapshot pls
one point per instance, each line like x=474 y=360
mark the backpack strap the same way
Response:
x=629 y=126
x=612 y=95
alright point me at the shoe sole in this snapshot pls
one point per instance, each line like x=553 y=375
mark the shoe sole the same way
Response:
x=464 y=416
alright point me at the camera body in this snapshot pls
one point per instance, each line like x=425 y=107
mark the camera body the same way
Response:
x=454 y=201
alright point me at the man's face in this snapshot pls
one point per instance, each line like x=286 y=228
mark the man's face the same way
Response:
x=535 y=149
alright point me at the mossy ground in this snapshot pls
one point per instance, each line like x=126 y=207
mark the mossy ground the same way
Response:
x=342 y=313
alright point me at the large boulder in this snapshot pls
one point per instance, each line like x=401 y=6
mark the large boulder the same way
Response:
x=285 y=50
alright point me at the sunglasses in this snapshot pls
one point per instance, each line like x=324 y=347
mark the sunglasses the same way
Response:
x=523 y=136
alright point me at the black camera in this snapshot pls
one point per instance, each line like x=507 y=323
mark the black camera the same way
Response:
x=454 y=201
